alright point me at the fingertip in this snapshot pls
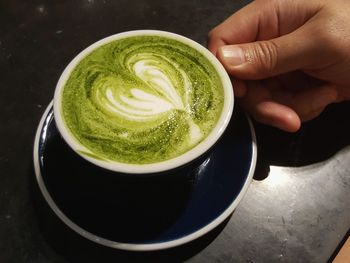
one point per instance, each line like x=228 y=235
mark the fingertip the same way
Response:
x=234 y=60
x=214 y=44
x=278 y=115
x=220 y=56
x=291 y=122
x=231 y=56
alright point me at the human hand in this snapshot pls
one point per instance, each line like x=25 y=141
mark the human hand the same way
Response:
x=289 y=59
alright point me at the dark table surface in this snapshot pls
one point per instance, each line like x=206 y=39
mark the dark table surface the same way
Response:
x=297 y=209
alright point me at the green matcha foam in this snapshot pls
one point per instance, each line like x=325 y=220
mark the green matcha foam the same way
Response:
x=141 y=100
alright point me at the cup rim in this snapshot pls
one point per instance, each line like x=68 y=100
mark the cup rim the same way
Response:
x=157 y=167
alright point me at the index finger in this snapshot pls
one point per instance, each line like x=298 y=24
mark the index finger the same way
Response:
x=241 y=27
x=262 y=20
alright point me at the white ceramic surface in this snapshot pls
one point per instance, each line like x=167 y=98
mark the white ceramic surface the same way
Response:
x=187 y=157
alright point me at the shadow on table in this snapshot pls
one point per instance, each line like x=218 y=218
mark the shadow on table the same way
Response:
x=316 y=141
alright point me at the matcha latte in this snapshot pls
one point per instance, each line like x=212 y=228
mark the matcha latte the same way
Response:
x=140 y=98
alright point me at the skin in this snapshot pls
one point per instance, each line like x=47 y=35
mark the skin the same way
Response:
x=288 y=59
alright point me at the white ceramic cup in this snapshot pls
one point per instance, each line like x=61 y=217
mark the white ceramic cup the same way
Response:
x=163 y=166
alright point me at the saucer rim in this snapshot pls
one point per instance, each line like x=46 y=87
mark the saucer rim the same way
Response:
x=138 y=246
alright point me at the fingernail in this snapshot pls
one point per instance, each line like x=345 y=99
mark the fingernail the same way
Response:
x=233 y=55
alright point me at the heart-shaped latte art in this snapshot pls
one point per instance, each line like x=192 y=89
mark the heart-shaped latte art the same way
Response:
x=142 y=100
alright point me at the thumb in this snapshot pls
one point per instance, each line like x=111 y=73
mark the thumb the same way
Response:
x=263 y=59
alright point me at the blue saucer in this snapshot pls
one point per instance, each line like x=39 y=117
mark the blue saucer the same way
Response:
x=144 y=213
